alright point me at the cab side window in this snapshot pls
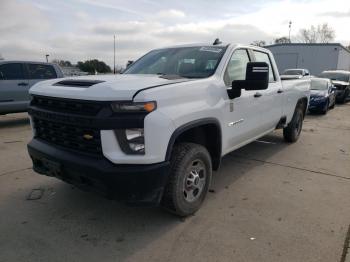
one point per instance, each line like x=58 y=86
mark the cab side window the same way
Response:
x=12 y=71
x=40 y=71
x=237 y=66
x=264 y=57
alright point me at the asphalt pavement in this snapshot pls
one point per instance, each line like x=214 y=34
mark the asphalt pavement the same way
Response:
x=270 y=201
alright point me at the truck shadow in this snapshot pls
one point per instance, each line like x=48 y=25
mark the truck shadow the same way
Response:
x=14 y=120
x=237 y=163
x=99 y=227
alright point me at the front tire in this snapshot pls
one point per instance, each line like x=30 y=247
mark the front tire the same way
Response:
x=190 y=177
x=291 y=133
x=325 y=109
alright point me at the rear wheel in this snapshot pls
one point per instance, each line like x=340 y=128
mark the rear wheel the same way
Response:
x=291 y=133
x=189 y=180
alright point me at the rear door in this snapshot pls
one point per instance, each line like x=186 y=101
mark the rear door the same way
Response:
x=13 y=83
x=271 y=98
x=38 y=72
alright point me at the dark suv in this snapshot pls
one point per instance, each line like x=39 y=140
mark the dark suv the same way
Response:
x=16 y=77
x=341 y=80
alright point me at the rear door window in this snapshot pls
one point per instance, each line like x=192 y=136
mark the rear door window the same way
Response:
x=41 y=71
x=264 y=57
x=11 y=71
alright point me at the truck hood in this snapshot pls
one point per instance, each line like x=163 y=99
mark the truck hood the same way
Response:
x=102 y=87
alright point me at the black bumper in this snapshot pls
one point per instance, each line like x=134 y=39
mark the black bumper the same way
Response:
x=135 y=184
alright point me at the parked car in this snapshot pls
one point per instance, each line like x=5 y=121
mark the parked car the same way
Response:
x=322 y=95
x=153 y=134
x=340 y=79
x=295 y=74
x=16 y=77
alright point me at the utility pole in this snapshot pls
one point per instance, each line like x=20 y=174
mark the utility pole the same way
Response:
x=47 y=58
x=114 y=55
x=290 y=28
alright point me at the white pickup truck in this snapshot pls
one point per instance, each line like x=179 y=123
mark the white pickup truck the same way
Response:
x=153 y=134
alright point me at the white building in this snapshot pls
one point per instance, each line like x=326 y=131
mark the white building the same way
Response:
x=315 y=57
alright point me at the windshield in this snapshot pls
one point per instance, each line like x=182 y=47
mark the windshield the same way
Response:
x=319 y=84
x=293 y=72
x=336 y=76
x=189 y=62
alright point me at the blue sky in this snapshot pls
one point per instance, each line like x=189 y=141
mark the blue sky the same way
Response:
x=83 y=29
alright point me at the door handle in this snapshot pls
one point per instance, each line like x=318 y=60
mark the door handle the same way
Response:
x=22 y=84
x=257 y=94
x=280 y=91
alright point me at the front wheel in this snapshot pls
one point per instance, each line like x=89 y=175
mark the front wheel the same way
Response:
x=190 y=176
x=291 y=133
x=325 y=109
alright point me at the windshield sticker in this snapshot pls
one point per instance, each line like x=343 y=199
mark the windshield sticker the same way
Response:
x=210 y=49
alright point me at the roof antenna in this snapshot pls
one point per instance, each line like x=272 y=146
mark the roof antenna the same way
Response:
x=217 y=42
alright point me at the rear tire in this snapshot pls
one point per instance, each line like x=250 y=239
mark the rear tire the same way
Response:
x=190 y=177
x=291 y=133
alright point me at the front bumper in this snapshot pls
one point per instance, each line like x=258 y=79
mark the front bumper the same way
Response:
x=134 y=184
x=340 y=93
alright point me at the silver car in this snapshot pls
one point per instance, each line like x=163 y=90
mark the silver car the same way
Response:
x=16 y=77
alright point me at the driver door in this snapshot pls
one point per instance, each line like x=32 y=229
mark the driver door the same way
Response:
x=243 y=115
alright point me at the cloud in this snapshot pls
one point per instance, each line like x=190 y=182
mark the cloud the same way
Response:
x=170 y=14
x=336 y=14
x=77 y=30
x=17 y=17
x=110 y=5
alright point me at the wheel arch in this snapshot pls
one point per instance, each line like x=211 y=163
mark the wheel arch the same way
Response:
x=206 y=132
x=303 y=102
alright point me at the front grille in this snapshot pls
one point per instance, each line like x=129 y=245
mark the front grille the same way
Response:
x=67 y=105
x=69 y=136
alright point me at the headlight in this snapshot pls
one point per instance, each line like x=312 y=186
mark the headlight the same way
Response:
x=131 y=141
x=136 y=107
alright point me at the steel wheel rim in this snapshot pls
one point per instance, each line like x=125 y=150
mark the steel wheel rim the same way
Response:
x=194 y=181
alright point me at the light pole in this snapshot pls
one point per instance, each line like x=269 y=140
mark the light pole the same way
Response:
x=290 y=28
x=47 y=58
x=114 y=54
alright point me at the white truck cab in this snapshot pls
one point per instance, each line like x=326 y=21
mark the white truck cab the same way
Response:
x=153 y=134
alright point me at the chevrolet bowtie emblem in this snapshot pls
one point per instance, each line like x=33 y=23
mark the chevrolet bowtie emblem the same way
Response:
x=88 y=137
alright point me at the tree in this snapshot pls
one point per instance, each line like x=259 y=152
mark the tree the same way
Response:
x=282 y=40
x=92 y=66
x=62 y=62
x=260 y=43
x=317 y=34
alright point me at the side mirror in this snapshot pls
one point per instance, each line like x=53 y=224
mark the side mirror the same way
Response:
x=333 y=88
x=129 y=63
x=257 y=78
